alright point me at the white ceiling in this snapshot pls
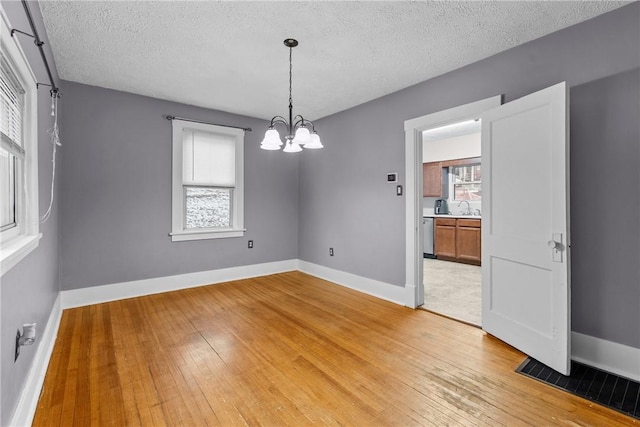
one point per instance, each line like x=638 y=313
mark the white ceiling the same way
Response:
x=230 y=55
x=451 y=131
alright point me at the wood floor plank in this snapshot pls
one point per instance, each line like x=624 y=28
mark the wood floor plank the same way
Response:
x=289 y=349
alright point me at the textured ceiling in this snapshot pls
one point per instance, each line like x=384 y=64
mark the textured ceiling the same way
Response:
x=230 y=56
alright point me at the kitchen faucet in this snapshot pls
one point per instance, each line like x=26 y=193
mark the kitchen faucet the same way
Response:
x=468 y=211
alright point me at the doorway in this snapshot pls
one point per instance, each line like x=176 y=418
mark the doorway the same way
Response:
x=452 y=197
x=415 y=202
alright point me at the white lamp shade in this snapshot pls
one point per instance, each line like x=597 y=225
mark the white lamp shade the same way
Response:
x=302 y=136
x=271 y=140
x=292 y=147
x=314 y=142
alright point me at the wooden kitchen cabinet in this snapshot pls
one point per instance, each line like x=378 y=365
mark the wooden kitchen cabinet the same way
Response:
x=468 y=240
x=445 y=238
x=432 y=179
x=458 y=239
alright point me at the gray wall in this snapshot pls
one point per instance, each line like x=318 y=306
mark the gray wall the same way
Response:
x=28 y=290
x=345 y=202
x=116 y=202
x=605 y=202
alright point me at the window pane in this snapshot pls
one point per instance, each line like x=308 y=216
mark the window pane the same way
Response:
x=467 y=183
x=467 y=192
x=7 y=190
x=207 y=207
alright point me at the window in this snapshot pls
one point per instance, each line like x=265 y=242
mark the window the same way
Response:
x=467 y=182
x=208 y=191
x=11 y=152
x=19 y=226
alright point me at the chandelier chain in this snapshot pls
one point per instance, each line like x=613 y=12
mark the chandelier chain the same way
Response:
x=290 y=75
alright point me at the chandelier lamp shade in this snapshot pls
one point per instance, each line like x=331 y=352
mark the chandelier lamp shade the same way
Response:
x=299 y=134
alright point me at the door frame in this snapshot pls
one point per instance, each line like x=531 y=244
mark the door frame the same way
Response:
x=413 y=128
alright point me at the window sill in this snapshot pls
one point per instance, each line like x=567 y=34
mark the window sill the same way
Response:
x=16 y=250
x=183 y=236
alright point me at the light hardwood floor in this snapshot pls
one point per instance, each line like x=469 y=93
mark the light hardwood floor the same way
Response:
x=289 y=349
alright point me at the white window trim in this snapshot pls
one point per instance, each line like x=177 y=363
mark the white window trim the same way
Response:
x=15 y=248
x=178 y=233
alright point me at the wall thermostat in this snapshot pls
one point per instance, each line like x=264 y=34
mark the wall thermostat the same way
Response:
x=392 y=177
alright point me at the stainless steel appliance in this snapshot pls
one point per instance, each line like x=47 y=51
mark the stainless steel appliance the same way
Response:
x=427 y=226
x=441 y=207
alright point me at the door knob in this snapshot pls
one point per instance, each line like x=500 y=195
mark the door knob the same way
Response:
x=557 y=244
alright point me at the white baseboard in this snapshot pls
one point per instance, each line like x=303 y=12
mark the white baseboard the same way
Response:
x=382 y=290
x=609 y=356
x=28 y=401
x=117 y=291
x=136 y=288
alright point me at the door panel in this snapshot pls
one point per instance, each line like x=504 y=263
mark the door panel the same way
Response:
x=511 y=160
x=525 y=290
x=523 y=301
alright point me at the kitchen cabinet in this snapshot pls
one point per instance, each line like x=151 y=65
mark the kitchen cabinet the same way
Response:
x=432 y=175
x=458 y=239
x=432 y=179
x=445 y=238
x=468 y=240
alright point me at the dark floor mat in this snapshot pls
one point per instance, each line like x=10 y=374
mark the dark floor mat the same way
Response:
x=610 y=390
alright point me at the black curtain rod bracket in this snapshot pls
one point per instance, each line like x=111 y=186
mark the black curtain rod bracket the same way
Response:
x=170 y=117
x=26 y=34
x=55 y=91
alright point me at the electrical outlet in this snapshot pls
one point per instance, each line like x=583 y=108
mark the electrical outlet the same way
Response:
x=330 y=251
x=250 y=244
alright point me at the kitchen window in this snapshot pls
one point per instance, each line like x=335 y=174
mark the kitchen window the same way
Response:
x=19 y=225
x=466 y=182
x=208 y=175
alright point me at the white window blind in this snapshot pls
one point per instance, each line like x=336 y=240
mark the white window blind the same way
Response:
x=11 y=111
x=209 y=159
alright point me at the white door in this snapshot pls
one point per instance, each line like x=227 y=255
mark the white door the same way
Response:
x=525 y=224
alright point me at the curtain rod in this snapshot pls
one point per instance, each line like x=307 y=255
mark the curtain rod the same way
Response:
x=55 y=91
x=168 y=117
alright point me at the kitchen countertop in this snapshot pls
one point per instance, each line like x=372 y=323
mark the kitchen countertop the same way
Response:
x=452 y=216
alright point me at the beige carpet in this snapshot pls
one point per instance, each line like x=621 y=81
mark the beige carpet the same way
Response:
x=453 y=289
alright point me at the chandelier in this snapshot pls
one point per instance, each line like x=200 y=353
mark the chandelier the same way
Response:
x=297 y=128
